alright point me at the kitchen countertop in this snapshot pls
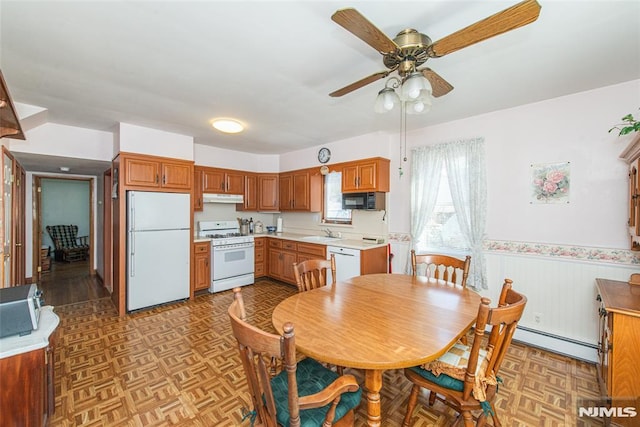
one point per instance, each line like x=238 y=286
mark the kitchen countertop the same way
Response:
x=342 y=243
x=16 y=344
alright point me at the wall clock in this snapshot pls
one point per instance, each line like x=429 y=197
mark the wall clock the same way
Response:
x=324 y=154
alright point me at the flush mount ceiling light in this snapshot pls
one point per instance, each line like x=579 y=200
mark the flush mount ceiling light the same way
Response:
x=228 y=125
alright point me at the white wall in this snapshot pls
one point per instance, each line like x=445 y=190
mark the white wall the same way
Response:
x=222 y=158
x=138 y=139
x=365 y=146
x=572 y=128
x=66 y=141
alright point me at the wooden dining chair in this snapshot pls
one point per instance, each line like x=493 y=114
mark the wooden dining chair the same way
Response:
x=312 y=273
x=442 y=267
x=466 y=377
x=302 y=393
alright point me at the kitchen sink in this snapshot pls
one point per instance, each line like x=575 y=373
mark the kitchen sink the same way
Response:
x=322 y=239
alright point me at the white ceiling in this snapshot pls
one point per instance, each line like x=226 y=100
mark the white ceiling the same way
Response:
x=175 y=65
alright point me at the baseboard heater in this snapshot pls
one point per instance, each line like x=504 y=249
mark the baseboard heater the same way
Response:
x=565 y=346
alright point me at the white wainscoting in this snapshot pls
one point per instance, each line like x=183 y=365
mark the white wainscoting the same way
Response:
x=562 y=311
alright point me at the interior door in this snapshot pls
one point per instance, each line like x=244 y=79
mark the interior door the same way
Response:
x=107 y=240
x=19 y=244
x=7 y=204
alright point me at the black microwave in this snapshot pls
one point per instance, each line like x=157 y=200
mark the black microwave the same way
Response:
x=373 y=201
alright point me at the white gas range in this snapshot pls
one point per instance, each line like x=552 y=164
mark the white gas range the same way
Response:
x=232 y=254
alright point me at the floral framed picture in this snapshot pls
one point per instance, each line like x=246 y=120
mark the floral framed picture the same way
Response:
x=550 y=182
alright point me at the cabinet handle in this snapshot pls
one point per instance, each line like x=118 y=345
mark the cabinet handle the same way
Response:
x=602 y=312
x=164 y=179
x=157 y=178
x=598 y=298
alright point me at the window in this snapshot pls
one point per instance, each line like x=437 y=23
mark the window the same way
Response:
x=333 y=211
x=442 y=233
x=449 y=202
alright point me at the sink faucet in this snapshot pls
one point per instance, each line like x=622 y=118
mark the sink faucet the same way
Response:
x=328 y=232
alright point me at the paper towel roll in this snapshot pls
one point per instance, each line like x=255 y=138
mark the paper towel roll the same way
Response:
x=279 y=225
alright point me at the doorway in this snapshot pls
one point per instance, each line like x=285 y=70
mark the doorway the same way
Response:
x=61 y=201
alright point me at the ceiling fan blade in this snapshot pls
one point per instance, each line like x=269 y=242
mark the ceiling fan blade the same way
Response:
x=359 y=26
x=439 y=85
x=362 y=82
x=509 y=19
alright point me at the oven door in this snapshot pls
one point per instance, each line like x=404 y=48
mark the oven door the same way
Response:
x=232 y=260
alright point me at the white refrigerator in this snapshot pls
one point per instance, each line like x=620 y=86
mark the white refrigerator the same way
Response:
x=158 y=248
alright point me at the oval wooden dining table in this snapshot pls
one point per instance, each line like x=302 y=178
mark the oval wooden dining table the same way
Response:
x=378 y=322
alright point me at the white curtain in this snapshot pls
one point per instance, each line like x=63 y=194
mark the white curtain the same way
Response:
x=464 y=161
x=426 y=165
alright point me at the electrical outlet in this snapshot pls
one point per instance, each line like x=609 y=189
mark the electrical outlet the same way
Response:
x=537 y=317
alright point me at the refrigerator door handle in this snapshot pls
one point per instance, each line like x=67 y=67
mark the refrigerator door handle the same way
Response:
x=132 y=251
x=132 y=211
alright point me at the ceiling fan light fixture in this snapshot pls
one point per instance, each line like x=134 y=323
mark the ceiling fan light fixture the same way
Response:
x=386 y=101
x=228 y=125
x=420 y=105
x=413 y=86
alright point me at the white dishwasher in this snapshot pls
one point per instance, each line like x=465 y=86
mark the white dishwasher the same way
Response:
x=347 y=262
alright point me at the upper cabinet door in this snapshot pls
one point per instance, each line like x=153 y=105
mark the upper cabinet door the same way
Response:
x=213 y=181
x=366 y=175
x=234 y=182
x=222 y=181
x=268 y=192
x=176 y=175
x=142 y=173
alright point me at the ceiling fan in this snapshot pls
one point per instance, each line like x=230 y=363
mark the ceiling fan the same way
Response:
x=410 y=48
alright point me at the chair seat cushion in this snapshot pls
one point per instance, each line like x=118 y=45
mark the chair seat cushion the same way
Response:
x=312 y=377
x=453 y=364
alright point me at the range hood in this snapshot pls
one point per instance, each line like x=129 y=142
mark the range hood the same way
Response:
x=222 y=198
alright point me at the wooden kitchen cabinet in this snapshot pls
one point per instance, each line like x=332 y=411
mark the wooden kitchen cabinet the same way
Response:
x=250 y=202
x=631 y=155
x=150 y=172
x=260 y=257
x=224 y=181
x=619 y=341
x=198 y=202
x=268 y=192
x=282 y=255
x=201 y=265
x=27 y=388
x=374 y=260
x=307 y=251
x=300 y=191
x=365 y=175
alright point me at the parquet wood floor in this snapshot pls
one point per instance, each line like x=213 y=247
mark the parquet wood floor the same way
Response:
x=178 y=365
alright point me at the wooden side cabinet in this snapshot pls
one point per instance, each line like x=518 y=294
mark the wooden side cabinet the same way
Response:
x=27 y=389
x=201 y=265
x=631 y=155
x=619 y=341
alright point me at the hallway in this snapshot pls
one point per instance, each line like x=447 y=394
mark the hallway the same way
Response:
x=68 y=283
